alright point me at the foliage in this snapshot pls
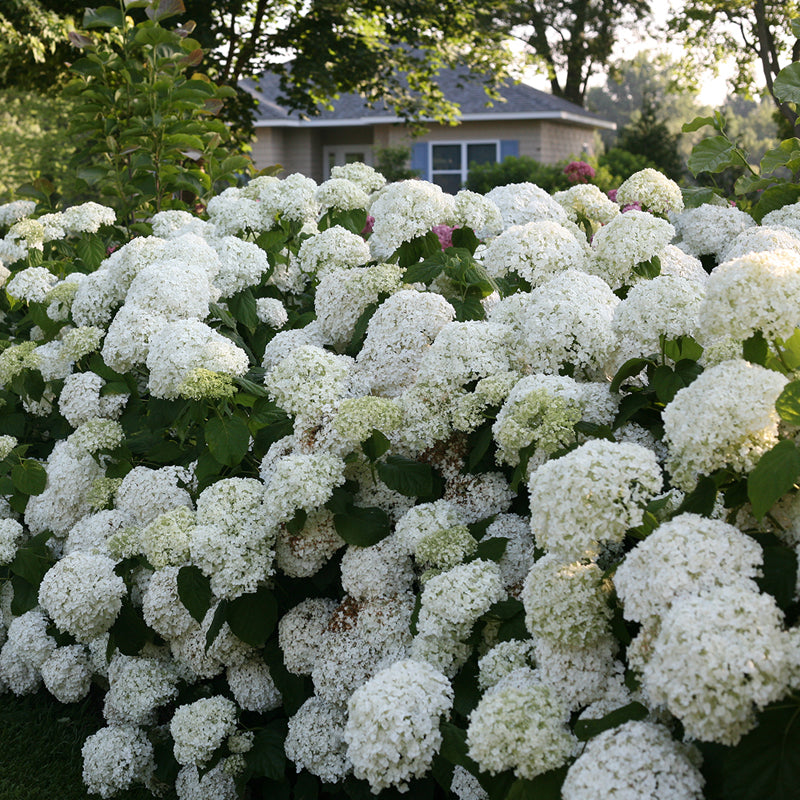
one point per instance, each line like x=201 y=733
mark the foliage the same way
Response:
x=649 y=137
x=516 y=169
x=145 y=130
x=392 y=163
x=570 y=40
x=33 y=139
x=713 y=31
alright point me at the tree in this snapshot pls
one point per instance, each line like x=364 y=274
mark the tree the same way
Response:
x=713 y=31
x=572 y=39
x=388 y=50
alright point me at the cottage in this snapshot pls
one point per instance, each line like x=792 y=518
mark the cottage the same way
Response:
x=528 y=122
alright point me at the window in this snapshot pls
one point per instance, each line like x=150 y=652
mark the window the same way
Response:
x=450 y=161
x=335 y=156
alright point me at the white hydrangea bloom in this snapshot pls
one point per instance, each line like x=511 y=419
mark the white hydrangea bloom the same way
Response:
x=760 y=239
x=653 y=190
x=199 y=728
x=333 y=248
x=300 y=633
x=32 y=284
x=341 y=194
x=67 y=673
x=291 y=198
x=137 y=687
x=399 y=332
x=535 y=251
x=10 y=253
x=303 y=554
x=309 y=380
x=627 y=240
x=425 y=519
x=519 y=555
x=80 y=399
x=173 y=222
x=15 y=211
x=665 y=305
x=87 y=218
x=586 y=200
x=635 y=761
x=368 y=178
x=520 y=724
x=502 y=660
x=27 y=648
x=708 y=229
x=218 y=783
x=680 y=264
x=82 y=594
x=11 y=535
x=162 y=609
x=282 y=344
x=392 y=729
x=271 y=312
x=145 y=493
x=591 y=496
x=755 y=292
x=520 y=203
x=315 y=740
x=377 y=571
x=116 y=758
x=542 y=410
x=127 y=342
x=788 y=217
x=241 y=264
x=231 y=211
x=252 y=686
x=344 y=294
x=177 y=348
x=568 y=321
x=717 y=657
x=475 y=211
x=725 y=418
x=687 y=555
x=566 y=603
x=405 y=210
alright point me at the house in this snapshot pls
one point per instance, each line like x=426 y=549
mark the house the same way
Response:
x=529 y=123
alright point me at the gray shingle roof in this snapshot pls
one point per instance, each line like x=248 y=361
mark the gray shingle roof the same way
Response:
x=521 y=102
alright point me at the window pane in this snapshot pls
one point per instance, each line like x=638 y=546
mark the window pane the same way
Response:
x=446 y=156
x=450 y=183
x=349 y=158
x=481 y=153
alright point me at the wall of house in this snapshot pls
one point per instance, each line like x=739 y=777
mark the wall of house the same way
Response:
x=296 y=149
x=548 y=142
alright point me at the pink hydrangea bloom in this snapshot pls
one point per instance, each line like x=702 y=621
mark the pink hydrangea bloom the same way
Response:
x=579 y=172
x=445 y=234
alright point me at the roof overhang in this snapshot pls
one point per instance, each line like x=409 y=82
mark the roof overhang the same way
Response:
x=555 y=116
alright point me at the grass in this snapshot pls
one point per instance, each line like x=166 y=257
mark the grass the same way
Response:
x=40 y=743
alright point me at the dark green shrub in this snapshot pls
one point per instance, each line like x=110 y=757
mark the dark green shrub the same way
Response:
x=523 y=169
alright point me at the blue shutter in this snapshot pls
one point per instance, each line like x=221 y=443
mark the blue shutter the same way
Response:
x=419 y=159
x=509 y=147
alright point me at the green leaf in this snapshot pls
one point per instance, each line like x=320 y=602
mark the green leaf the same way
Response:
x=360 y=329
x=266 y=758
x=775 y=197
x=252 y=617
x=166 y=9
x=228 y=439
x=764 y=764
x=375 y=446
x=633 y=366
x=773 y=476
x=788 y=403
x=755 y=349
x=363 y=526
x=779 y=569
x=129 y=630
x=683 y=347
x=454 y=747
x=410 y=478
x=492 y=549
x=32 y=561
x=91 y=250
x=786 y=154
x=26 y=596
x=216 y=623
x=546 y=786
x=786 y=87
x=297 y=522
x=666 y=383
x=103 y=17
x=794 y=24
x=465 y=237
x=697 y=123
x=243 y=306
x=29 y=477
x=701 y=500
x=153 y=35
x=424 y=272
x=411 y=252
x=194 y=591
x=713 y=155
x=586 y=729
x=648 y=269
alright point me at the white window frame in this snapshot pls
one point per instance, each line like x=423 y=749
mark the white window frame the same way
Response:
x=338 y=151
x=462 y=173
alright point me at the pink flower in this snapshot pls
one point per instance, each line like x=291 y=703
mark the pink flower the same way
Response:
x=368 y=226
x=579 y=172
x=612 y=195
x=635 y=206
x=445 y=234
